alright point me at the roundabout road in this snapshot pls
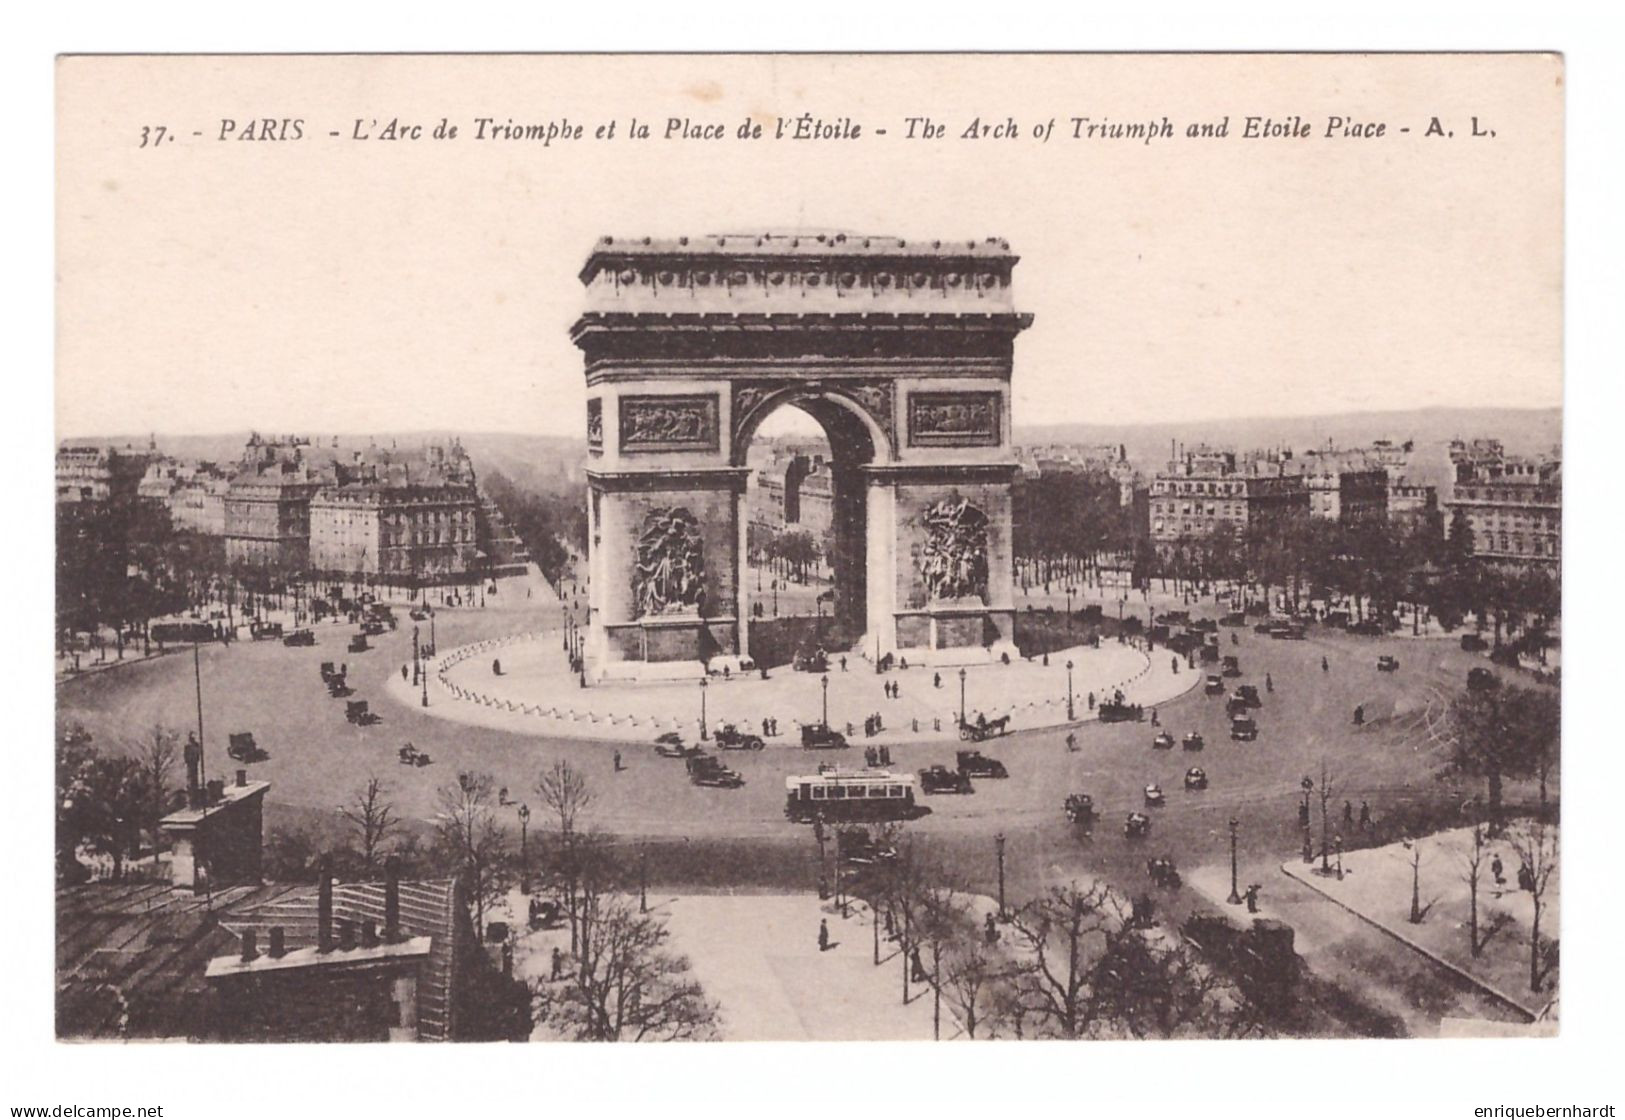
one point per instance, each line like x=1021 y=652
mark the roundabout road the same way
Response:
x=317 y=759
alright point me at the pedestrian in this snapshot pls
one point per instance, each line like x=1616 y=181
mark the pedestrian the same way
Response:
x=1252 y=897
x=1365 y=817
x=823 y=935
x=843 y=662
x=936 y=680
x=1174 y=661
x=1359 y=715
x=617 y=762
x=403 y=672
x=990 y=932
x=1154 y=721
x=1348 y=814
x=1269 y=683
x=1234 y=640
x=1498 y=869
x=1091 y=701
x=1072 y=741
x=1325 y=666
x=558 y=962
x=917 y=967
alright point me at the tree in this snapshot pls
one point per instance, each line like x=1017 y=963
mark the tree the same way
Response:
x=373 y=817
x=627 y=986
x=468 y=835
x=969 y=978
x=1062 y=933
x=1536 y=844
x=564 y=790
x=1500 y=733
x=158 y=753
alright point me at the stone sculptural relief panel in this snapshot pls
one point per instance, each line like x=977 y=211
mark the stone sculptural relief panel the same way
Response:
x=668 y=572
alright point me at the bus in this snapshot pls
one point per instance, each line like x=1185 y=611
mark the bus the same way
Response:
x=851 y=795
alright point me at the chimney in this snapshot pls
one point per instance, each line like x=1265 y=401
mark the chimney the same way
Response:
x=392 y=899
x=369 y=934
x=324 y=910
x=250 y=950
x=242 y=778
x=277 y=947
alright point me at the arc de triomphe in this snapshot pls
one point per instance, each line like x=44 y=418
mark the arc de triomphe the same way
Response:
x=901 y=350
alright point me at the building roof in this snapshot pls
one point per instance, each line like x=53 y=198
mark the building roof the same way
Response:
x=131 y=958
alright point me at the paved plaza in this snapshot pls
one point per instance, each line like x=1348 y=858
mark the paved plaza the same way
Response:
x=536 y=692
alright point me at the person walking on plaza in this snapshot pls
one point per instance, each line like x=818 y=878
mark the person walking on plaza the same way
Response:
x=823 y=935
x=1365 y=817
x=1325 y=666
x=403 y=672
x=1269 y=683
x=558 y=962
x=843 y=663
x=1498 y=869
x=617 y=762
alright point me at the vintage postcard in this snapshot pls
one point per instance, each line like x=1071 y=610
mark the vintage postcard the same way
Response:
x=808 y=547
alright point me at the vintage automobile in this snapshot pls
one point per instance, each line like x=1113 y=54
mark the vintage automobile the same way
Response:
x=940 y=779
x=822 y=737
x=1387 y=664
x=811 y=661
x=1210 y=651
x=1234 y=618
x=1243 y=729
x=260 y=631
x=358 y=644
x=545 y=913
x=1193 y=741
x=1174 y=618
x=411 y=756
x=242 y=748
x=1249 y=695
x=1113 y=711
x=1232 y=666
x=1196 y=778
x=1482 y=680
x=373 y=627
x=1290 y=632
x=1154 y=795
x=300 y=638
x=981 y=728
x=1080 y=808
x=670 y=745
x=1164 y=741
x=856 y=847
x=357 y=712
x=418 y=614
x=329 y=671
x=1137 y=826
x=704 y=770
x=338 y=688
x=1266 y=628
x=730 y=738
x=975 y=764
x=1214 y=685
x=1162 y=871
x=1473 y=643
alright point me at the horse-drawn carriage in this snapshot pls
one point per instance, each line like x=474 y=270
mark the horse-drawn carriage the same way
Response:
x=983 y=728
x=242 y=748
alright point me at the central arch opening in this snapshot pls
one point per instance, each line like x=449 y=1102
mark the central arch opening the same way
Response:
x=806 y=577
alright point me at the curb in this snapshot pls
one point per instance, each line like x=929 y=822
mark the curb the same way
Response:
x=1482 y=985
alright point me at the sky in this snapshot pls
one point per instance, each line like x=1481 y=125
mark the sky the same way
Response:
x=338 y=285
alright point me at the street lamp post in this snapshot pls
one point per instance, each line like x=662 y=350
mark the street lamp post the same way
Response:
x=1069 y=714
x=961 y=697
x=1070 y=591
x=703 y=683
x=1416 y=879
x=998 y=842
x=415 y=669
x=824 y=680
x=1235 y=895
x=524 y=862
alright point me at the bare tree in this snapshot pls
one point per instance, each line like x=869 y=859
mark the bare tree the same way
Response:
x=1061 y=933
x=159 y=750
x=1325 y=791
x=564 y=790
x=373 y=816
x=627 y=986
x=975 y=980
x=1536 y=844
x=468 y=832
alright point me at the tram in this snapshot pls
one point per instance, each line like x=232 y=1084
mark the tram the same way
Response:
x=839 y=794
